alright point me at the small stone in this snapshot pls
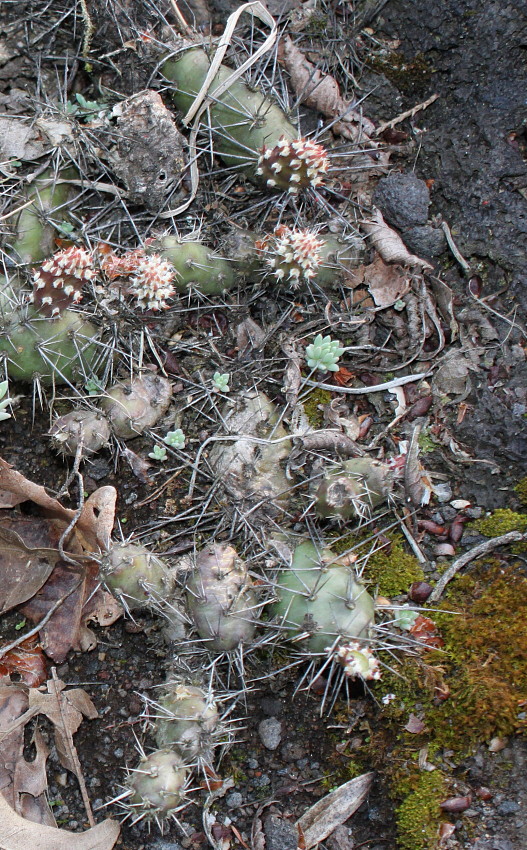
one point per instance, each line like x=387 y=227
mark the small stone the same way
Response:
x=270 y=731
x=280 y=834
x=508 y=807
x=252 y=764
x=403 y=200
x=425 y=240
x=234 y=800
x=261 y=781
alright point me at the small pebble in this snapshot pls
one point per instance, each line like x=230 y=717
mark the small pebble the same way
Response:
x=234 y=800
x=270 y=731
x=508 y=807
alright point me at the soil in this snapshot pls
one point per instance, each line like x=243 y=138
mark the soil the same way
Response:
x=470 y=148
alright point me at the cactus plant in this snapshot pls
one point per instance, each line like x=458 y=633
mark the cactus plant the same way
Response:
x=320 y=601
x=58 y=282
x=85 y=429
x=353 y=488
x=187 y=718
x=251 y=131
x=358 y=661
x=138 y=404
x=156 y=788
x=35 y=231
x=195 y=265
x=221 y=599
x=135 y=575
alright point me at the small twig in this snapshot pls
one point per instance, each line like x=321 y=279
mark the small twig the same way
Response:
x=72 y=749
x=180 y=19
x=376 y=388
x=404 y=115
x=155 y=495
x=18 y=209
x=453 y=247
x=471 y=555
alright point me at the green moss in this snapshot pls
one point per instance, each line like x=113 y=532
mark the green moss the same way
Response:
x=410 y=76
x=392 y=569
x=419 y=815
x=521 y=491
x=313 y=404
x=501 y=521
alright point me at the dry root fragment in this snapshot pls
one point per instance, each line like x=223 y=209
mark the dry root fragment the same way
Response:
x=291 y=166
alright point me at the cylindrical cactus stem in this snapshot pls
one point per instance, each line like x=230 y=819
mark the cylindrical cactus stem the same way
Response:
x=321 y=602
x=88 y=430
x=136 y=575
x=135 y=405
x=353 y=489
x=195 y=265
x=156 y=786
x=186 y=719
x=221 y=600
x=35 y=231
x=251 y=131
x=64 y=350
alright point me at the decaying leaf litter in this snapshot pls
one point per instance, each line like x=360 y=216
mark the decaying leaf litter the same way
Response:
x=250 y=466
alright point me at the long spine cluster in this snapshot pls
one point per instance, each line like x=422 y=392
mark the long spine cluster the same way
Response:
x=293 y=165
x=292 y=254
x=58 y=283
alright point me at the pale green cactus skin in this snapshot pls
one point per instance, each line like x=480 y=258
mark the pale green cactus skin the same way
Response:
x=322 y=599
x=221 y=599
x=244 y=120
x=353 y=489
x=187 y=720
x=132 y=572
x=135 y=405
x=62 y=350
x=158 y=784
x=196 y=266
x=35 y=232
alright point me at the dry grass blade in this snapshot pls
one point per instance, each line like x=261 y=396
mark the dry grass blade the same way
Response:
x=334 y=809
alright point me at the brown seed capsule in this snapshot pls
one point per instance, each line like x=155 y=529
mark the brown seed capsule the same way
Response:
x=456 y=804
x=420 y=591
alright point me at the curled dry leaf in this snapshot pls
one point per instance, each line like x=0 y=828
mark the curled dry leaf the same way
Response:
x=334 y=809
x=16 y=833
x=387 y=283
x=27 y=661
x=28 y=555
x=389 y=244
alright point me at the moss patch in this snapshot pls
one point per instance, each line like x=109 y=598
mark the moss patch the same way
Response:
x=521 y=491
x=313 y=404
x=392 y=569
x=501 y=521
x=419 y=815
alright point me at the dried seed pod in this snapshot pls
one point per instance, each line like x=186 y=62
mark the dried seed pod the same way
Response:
x=87 y=428
x=321 y=600
x=221 y=599
x=353 y=489
x=135 y=574
x=157 y=786
x=187 y=720
x=136 y=405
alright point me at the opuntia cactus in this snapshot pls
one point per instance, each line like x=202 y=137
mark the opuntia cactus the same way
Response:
x=64 y=350
x=152 y=283
x=35 y=231
x=358 y=661
x=195 y=265
x=58 y=282
x=221 y=599
x=88 y=429
x=186 y=719
x=353 y=489
x=251 y=131
x=156 y=787
x=138 y=404
x=135 y=575
x=321 y=603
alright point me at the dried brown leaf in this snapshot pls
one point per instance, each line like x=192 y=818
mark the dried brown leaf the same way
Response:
x=249 y=335
x=389 y=244
x=334 y=809
x=387 y=283
x=16 y=833
x=28 y=555
x=27 y=661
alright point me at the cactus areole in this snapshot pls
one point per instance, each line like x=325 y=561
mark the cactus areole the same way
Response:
x=322 y=600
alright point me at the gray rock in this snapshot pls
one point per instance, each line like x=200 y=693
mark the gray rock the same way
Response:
x=234 y=800
x=280 y=834
x=270 y=731
x=508 y=807
x=425 y=240
x=403 y=199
